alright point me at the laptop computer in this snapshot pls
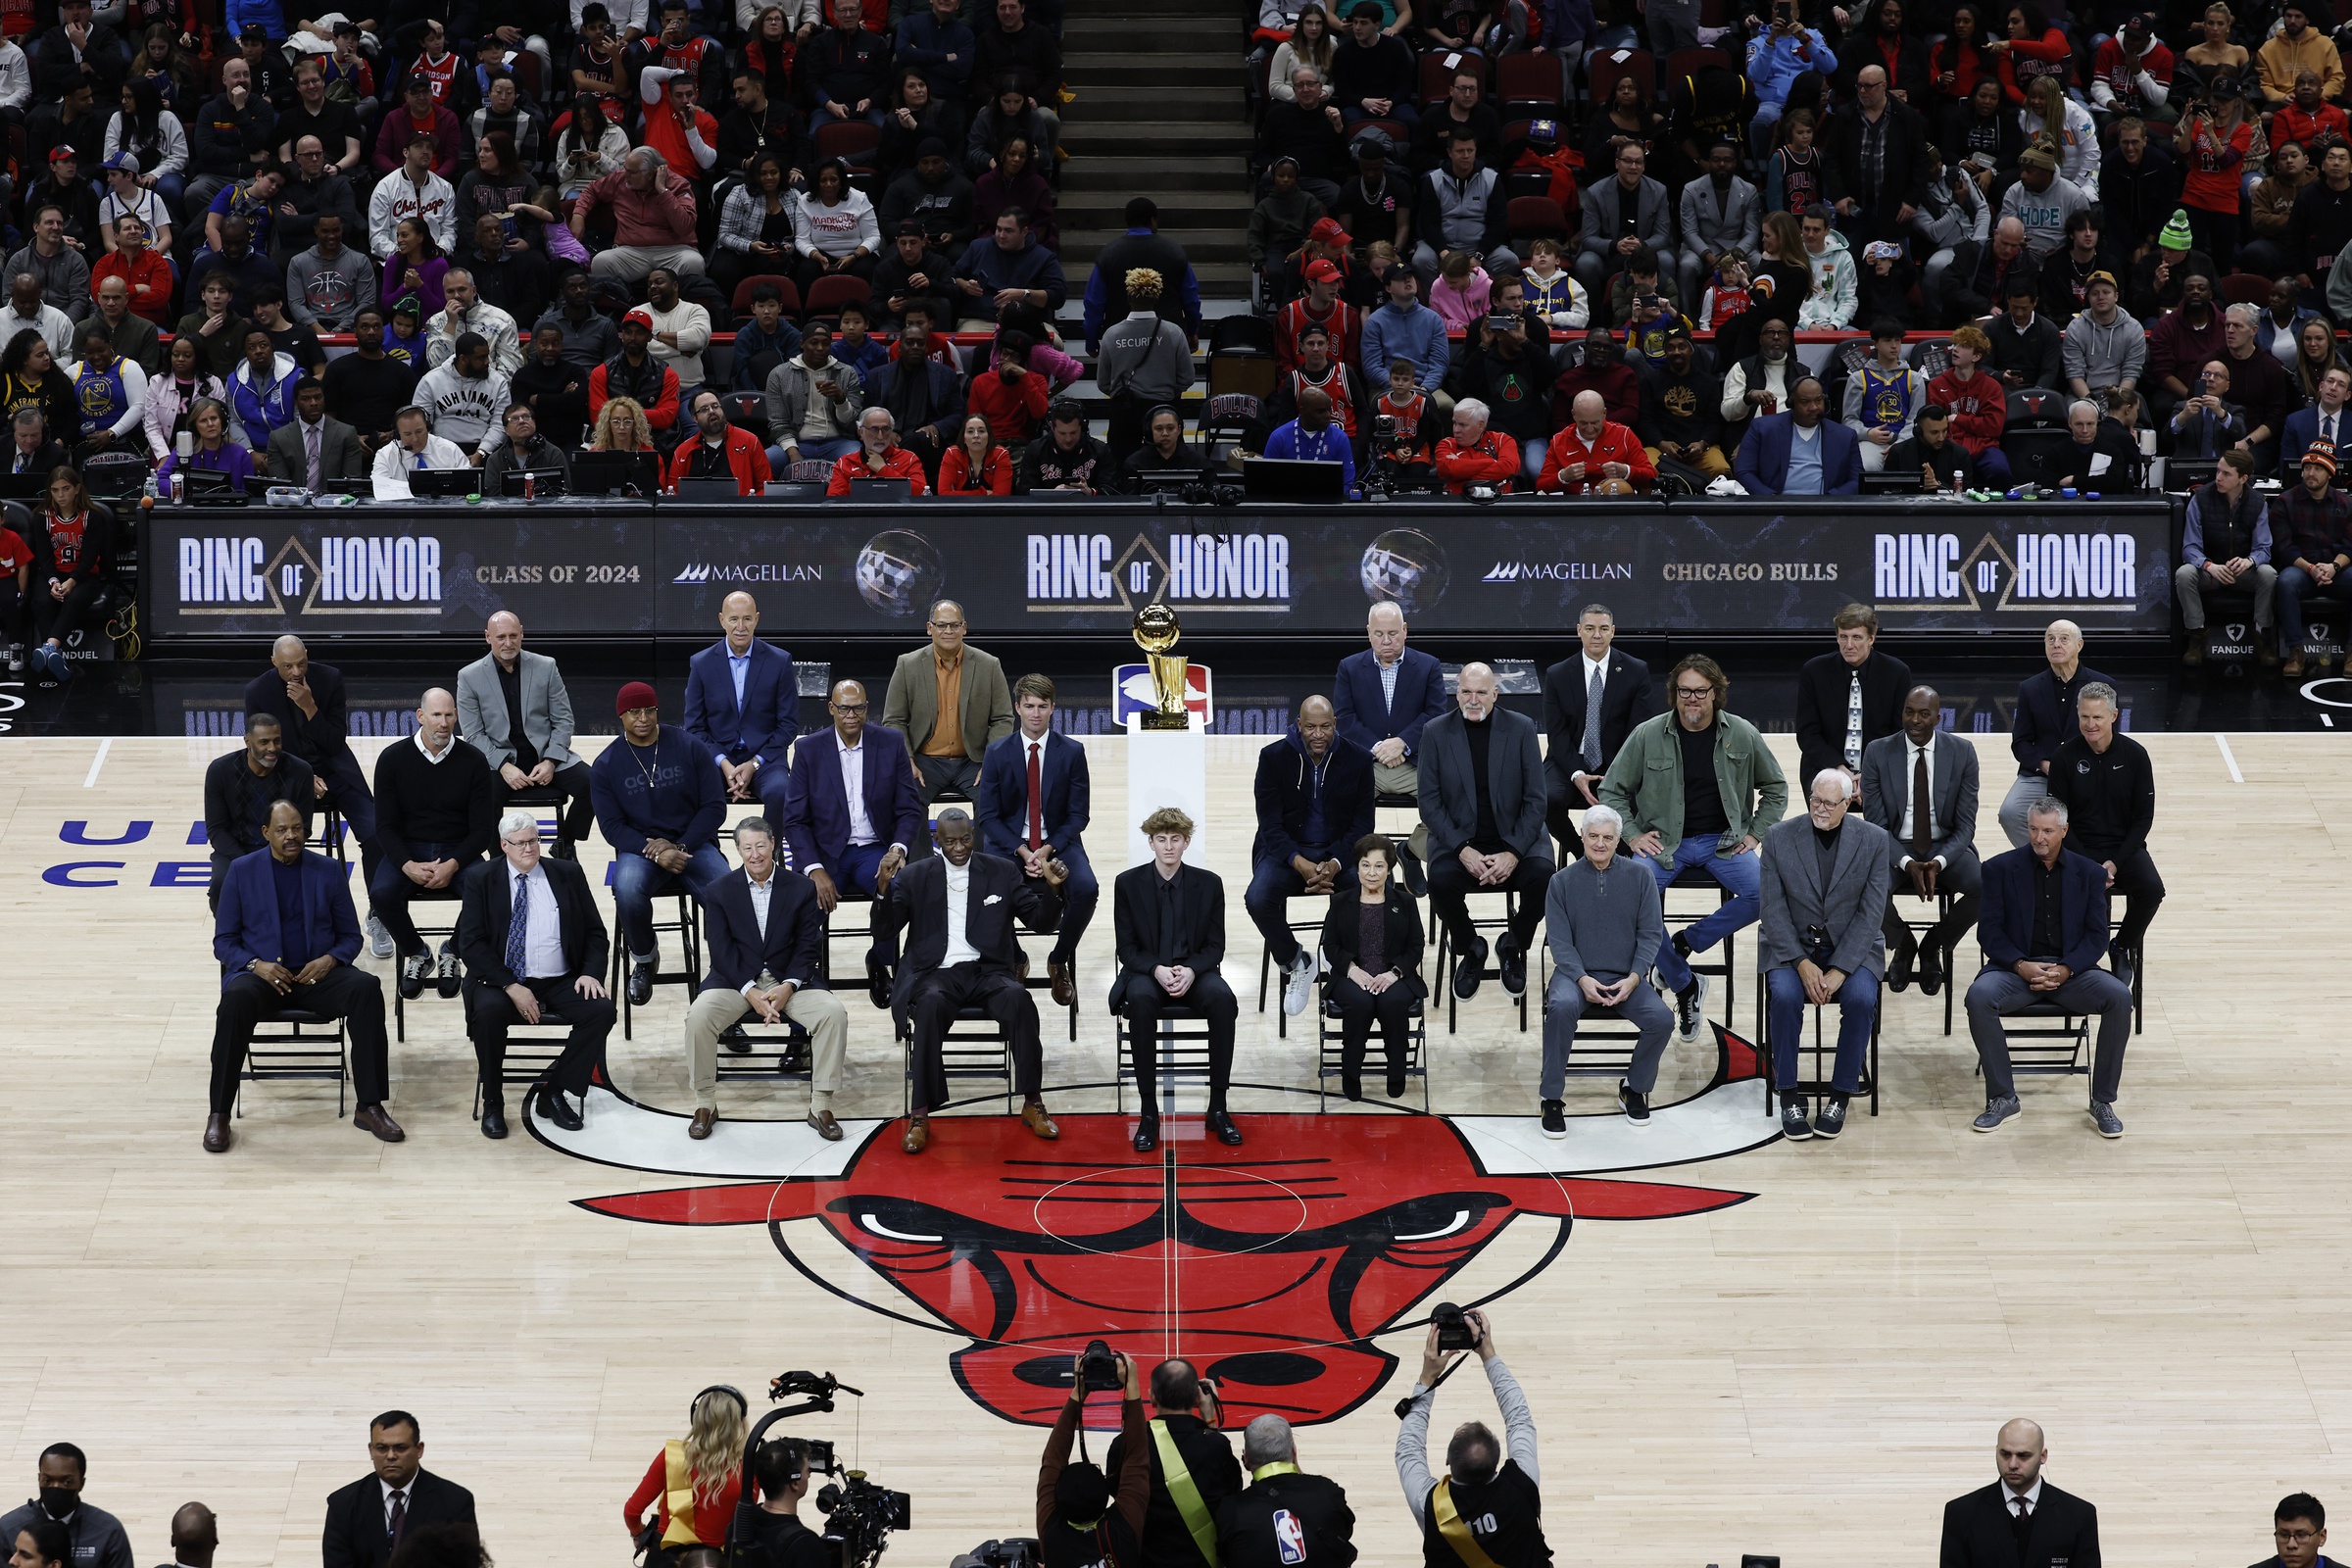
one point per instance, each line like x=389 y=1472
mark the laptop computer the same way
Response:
x=1049 y=496
x=444 y=484
x=22 y=486
x=1290 y=480
x=711 y=490
x=1905 y=483
x=609 y=473
x=794 y=490
x=545 y=482
x=881 y=490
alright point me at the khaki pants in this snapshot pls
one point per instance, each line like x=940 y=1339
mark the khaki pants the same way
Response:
x=820 y=1013
x=1403 y=778
x=1711 y=460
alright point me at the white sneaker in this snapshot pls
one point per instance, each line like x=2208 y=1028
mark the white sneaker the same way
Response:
x=1299 y=986
x=380 y=940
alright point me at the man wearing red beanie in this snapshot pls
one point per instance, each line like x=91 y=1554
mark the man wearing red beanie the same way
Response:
x=658 y=803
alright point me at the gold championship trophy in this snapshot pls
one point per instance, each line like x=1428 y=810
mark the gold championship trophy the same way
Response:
x=1155 y=633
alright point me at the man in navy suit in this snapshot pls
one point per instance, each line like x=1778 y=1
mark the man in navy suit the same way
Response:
x=1034 y=828
x=1590 y=705
x=2324 y=421
x=1383 y=697
x=286 y=934
x=1314 y=804
x=743 y=702
x=2043 y=929
x=851 y=816
x=1799 y=452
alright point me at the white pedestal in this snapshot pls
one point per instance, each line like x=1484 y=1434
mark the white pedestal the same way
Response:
x=1167 y=767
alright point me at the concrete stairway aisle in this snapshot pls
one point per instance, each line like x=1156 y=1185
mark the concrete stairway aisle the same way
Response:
x=1160 y=111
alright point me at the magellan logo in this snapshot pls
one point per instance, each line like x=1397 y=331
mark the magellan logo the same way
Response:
x=2041 y=573
x=1559 y=572
x=1207 y=571
x=350 y=574
x=698 y=572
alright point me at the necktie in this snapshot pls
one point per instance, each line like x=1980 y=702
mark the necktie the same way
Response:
x=400 y=1513
x=420 y=462
x=1853 y=721
x=310 y=442
x=515 y=927
x=1923 y=834
x=1593 y=724
x=2021 y=1523
x=1037 y=798
x=2328 y=434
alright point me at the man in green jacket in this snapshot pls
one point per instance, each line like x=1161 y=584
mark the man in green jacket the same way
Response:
x=1697 y=788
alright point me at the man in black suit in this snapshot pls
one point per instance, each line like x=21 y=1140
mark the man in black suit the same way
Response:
x=1591 y=703
x=1483 y=796
x=2045 y=716
x=364 y=1521
x=1921 y=786
x=962 y=952
x=307 y=701
x=1848 y=699
x=1170 y=923
x=546 y=965
x=2021 y=1520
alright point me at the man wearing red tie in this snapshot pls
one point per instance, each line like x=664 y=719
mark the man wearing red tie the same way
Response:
x=1595 y=452
x=1033 y=805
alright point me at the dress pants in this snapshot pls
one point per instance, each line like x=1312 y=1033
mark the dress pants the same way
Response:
x=1998 y=993
x=577 y=813
x=61 y=619
x=222 y=854
x=959 y=773
x=1142 y=1002
x=1740 y=876
x=1964 y=878
x=2028 y=789
x=718 y=1009
x=1560 y=798
x=347 y=788
x=1451 y=886
x=343 y=992
x=1359 y=1009
x=389 y=891
x=1403 y=778
x=772 y=787
x=1080 y=893
x=490 y=1013
x=854 y=872
x=638 y=881
x=932 y=1006
x=1785 y=1025
x=1274 y=883
x=2189 y=583
x=1564 y=1006
x=2139 y=885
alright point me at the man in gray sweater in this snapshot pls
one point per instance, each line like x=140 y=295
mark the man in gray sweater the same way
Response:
x=1602 y=917
x=2102 y=347
x=1144 y=363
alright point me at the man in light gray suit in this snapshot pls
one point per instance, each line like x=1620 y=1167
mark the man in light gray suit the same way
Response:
x=1719 y=213
x=312 y=435
x=1482 y=800
x=1823 y=880
x=1934 y=851
x=535 y=756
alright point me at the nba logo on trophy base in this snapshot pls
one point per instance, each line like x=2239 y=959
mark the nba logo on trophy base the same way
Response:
x=1155 y=633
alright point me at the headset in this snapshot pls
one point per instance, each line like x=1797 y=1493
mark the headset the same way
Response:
x=743 y=1407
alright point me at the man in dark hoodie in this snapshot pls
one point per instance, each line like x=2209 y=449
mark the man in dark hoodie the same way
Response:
x=2026 y=347
x=934 y=193
x=1314 y=800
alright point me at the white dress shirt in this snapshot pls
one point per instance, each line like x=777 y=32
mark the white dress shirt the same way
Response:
x=389 y=1493
x=394 y=464
x=2030 y=1496
x=541 y=927
x=853 y=788
x=1912 y=753
x=960 y=896
x=1593 y=668
x=432 y=756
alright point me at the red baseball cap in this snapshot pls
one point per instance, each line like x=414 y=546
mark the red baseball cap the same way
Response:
x=1322 y=271
x=1328 y=232
x=62 y=154
x=641 y=316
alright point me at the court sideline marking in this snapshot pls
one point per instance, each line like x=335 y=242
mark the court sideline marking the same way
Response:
x=96 y=763
x=2229 y=756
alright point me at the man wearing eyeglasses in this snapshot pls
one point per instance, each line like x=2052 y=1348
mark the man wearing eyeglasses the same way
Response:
x=1696 y=789
x=950 y=701
x=850 y=817
x=1824 y=882
x=2300 y=1530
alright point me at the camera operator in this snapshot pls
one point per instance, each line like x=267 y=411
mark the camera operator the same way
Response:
x=779 y=1538
x=1188 y=1457
x=1487 y=1509
x=1080 y=1523
x=1287 y=1516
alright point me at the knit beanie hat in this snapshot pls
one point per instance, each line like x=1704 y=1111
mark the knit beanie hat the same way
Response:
x=2174 y=234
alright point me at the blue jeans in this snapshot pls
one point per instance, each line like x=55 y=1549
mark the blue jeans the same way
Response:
x=811 y=451
x=636 y=880
x=1737 y=874
x=1785 y=1025
x=1274 y=883
x=2296 y=585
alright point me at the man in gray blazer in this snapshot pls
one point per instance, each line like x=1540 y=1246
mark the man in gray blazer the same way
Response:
x=1490 y=841
x=1932 y=854
x=1623 y=217
x=950 y=701
x=1823 y=880
x=1719 y=213
x=533 y=755
x=336 y=445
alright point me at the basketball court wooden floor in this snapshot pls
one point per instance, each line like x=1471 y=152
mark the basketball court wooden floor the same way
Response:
x=1740 y=1345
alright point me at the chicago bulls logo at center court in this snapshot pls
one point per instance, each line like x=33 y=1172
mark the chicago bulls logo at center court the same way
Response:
x=1273 y=1271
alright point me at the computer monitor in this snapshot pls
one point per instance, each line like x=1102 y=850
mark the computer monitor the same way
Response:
x=709 y=490
x=201 y=482
x=608 y=473
x=795 y=490
x=1905 y=483
x=1289 y=479
x=1056 y=496
x=881 y=490
x=444 y=484
x=22 y=486
x=545 y=482
x=1168 y=481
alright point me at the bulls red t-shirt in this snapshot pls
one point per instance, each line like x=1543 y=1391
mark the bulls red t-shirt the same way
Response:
x=14 y=556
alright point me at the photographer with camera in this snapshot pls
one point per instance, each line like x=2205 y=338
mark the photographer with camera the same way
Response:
x=1487 y=1511
x=777 y=1539
x=1081 y=1521
x=1192 y=1470
x=1287 y=1516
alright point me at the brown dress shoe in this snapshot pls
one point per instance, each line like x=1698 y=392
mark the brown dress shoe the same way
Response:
x=1065 y=983
x=918 y=1135
x=1034 y=1117
x=704 y=1120
x=2263 y=653
x=826 y=1127
x=2194 y=656
x=377 y=1120
x=217 y=1135
x=2292 y=669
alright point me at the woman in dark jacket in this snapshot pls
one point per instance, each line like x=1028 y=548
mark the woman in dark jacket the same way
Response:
x=65 y=581
x=1372 y=942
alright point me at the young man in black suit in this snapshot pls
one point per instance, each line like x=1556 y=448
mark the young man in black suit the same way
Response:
x=1848 y=699
x=307 y=701
x=962 y=952
x=548 y=963
x=366 y=1520
x=1170 y=920
x=2021 y=1520
x=1585 y=727
x=1033 y=827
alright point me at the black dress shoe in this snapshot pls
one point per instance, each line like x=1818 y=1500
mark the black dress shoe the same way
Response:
x=1510 y=956
x=217 y=1133
x=735 y=1040
x=1931 y=969
x=1469 y=969
x=1416 y=880
x=494 y=1118
x=1146 y=1135
x=1899 y=966
x=877 y=982
x=1227 y=1133
x=641 y=980
x=556 y=1109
